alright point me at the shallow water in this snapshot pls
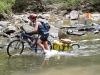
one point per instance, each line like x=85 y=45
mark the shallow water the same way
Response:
x=85 y=61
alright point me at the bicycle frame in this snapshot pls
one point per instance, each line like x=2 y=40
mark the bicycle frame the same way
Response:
x=16 y=46
x=33 y=46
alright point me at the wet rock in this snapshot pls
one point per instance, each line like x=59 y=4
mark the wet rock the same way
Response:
x=95 y=17
x=10 y=29
x=25 y=19
x=58 y=21
x=27 y=28
x=74 y=15
x=44 y=16
x=3 y=23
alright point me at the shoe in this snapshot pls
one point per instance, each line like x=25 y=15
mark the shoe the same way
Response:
x=45 y=51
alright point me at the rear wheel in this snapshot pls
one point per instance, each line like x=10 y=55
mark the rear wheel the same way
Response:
x=15 y=47
x=75 y=46
x=50 y=45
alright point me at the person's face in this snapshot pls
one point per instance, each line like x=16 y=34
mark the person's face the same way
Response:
x=32 y=20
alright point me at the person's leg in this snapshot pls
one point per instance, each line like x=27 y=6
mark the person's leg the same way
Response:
x=39 y=42
x=46 y=46
x=45 y=42
x=43 y=39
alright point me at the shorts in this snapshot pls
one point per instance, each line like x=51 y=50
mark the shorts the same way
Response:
x=44 y=37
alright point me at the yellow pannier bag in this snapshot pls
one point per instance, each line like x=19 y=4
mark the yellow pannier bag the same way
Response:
x=57 y=45
x=65 y=47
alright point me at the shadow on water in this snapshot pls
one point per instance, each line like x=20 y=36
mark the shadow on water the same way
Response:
x=85 y=61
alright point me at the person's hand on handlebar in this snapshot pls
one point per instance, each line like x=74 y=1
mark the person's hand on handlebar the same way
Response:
x=27 y=33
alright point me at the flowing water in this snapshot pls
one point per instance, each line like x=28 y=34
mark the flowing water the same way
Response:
x=85 y=61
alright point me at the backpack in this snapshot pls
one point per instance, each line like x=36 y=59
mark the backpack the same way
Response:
x=46 y=26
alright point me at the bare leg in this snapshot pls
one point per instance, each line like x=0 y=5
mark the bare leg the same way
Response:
x=46 y=45
x=39 y=42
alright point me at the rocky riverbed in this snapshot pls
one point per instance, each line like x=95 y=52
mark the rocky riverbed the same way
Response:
x=56 y=21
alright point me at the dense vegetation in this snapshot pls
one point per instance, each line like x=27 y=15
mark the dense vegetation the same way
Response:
x=71 y=1
x=6 y=5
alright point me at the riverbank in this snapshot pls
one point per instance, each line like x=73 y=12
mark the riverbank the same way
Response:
x=54 y=7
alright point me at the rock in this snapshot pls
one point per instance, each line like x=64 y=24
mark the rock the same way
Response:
x=42 y=20
x=1 y=30
x=74 y=15
x=3 y=23
x=9 y=29
x=25 y=19
x=95 y=17
x=58 y=21
x=44 y=16
x=27 y=28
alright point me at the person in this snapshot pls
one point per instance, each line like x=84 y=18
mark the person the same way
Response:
x=88 y=15
x=85 y=21
x=42 y=41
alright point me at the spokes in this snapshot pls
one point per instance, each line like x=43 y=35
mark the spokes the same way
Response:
x=15 y=47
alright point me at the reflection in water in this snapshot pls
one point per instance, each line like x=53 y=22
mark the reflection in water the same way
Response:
x=45 y=62
x=79 y=62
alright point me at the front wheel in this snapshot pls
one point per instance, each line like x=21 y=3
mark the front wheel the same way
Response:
x=15 y=47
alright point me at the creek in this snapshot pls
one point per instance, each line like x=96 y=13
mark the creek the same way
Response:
x=85 y=61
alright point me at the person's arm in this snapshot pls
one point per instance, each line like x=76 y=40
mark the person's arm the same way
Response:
x=35 y=28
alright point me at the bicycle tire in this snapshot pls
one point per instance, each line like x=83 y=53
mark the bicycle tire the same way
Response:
x=75 y=46
x=15 y=47
x=50 y=45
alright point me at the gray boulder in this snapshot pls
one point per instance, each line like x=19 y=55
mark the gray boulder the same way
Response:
x=74 y=15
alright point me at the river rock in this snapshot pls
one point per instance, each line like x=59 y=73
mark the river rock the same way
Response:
x=3 y=23
x=74 y=15
x=95 y=17
x=44 y=16
x=58 y=21
x=25 y=19
x=27 y=28
x=10 y=29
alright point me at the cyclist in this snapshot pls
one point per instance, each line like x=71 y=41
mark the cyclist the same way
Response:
x=42 y=41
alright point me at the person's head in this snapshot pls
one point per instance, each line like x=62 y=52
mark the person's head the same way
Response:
x=32 y=17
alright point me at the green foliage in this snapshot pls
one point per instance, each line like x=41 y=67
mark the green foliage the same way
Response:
x=11 y=1
x=95 y=1
x=8 y=8
x=75 y=1
x=62 y=1
x=2 y=6
x=56 y=1
x=6 y=5
x=20 y=1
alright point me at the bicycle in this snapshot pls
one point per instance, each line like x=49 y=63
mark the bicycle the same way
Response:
x=17 y=46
